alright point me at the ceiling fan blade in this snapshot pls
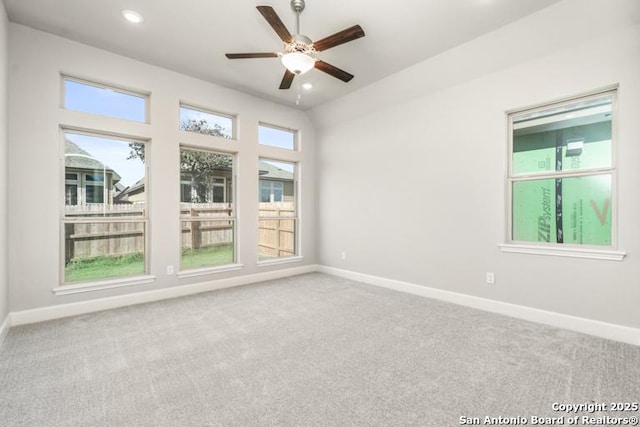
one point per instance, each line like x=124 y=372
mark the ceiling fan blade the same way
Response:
x=274 y=20
x=333 y=71
x=251 y=55
x=287 y=79
x=339 y=38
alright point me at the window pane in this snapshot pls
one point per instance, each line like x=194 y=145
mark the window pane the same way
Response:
x=199 y=121
x=102 y=250
x=70 y=194
x=275 y=137
x=94 y=177
x=185 y=193
x=99 y=162
x=574 y=137
x=277 y=210
x=108 y=182
x=107 y=101
x=94 y=193
x=265 y=195
x=568 y=210
x=206 y=211
x=218 y=194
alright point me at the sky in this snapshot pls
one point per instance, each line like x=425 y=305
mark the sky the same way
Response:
x=94 y=99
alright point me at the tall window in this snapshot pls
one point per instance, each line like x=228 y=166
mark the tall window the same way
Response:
x=562 y=172
x=105 y=212
x=277 y=137
x=278 y=217
x=207 y=214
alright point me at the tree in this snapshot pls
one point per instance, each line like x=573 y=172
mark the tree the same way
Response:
x=202 y=126
x=199 y=165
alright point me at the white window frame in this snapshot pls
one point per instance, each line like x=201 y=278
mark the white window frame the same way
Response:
x=205 y=110
x=297 y=256
x=101 y=85
x=230 y=199
x=562 y=249
x=65 y=287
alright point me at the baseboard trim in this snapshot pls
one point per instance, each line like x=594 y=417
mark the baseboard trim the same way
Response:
x=579 y=324
x=4 y=328
x=73 y=309
x=597 y=328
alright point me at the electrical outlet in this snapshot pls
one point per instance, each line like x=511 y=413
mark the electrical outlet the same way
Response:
x=170 y=269
x=343 y=256
x=491 y=278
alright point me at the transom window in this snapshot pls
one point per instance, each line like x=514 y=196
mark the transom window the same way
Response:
x=104 y=100
x=198 y=120
x=562 y=172
x=277 y=137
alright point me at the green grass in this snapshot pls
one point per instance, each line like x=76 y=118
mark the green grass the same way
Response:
x=104 y=267
x=206 y=257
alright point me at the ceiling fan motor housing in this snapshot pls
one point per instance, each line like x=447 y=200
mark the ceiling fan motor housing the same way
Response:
x=297 y=5
x=300 y=43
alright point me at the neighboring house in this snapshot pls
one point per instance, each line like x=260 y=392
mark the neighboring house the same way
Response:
x=85 y=178
x=276 y=185
x=217 y=188
x=133 y=194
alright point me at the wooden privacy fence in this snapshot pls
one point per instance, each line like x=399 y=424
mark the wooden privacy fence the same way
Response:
x=276 y=230
x=92 y=231
x=114 y=230
x=206 y=224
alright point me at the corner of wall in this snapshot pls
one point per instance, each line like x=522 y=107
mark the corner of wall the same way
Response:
x=4 y=163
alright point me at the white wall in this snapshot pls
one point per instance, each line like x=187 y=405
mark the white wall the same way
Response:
x=4 y=163
x=412 y=170
x=37 y=59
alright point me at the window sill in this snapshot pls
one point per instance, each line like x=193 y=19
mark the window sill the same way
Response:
x=209 y=270
x=103 y=284
x=278 y=261
x=591 y=253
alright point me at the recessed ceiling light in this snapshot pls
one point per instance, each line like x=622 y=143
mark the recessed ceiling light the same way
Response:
x=307 y=86
x=132 y=16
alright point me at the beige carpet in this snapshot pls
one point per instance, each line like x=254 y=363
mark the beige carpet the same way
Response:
x=310 y=350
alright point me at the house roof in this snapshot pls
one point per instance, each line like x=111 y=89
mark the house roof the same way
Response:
x=138 y=187
x=268 y=170
x=77 y=158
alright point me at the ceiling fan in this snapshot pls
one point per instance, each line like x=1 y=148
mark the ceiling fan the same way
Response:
x=299 y=51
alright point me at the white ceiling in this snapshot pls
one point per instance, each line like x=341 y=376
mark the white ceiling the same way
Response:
x=192 y=36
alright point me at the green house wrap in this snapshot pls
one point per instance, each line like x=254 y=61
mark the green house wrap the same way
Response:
x=570 y=210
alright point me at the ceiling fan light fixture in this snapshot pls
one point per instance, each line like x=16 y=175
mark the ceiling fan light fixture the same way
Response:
x=297 y=62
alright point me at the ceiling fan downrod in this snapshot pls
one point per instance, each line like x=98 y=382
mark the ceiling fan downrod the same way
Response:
x=297 y=6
